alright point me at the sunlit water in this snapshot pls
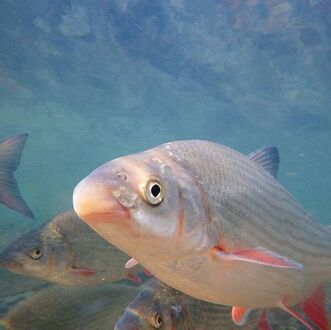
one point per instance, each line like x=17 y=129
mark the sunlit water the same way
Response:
x=94 y=80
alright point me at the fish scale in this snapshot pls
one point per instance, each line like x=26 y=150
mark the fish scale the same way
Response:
x=224 y=230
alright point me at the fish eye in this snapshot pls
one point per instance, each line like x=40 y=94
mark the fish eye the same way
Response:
x=36 y=253
x=157 y=321
x=154 y=192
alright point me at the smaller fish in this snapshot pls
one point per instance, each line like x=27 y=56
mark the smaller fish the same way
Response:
x=10 y=155
x=65 y=250
x=67 y=308
x=158 y=306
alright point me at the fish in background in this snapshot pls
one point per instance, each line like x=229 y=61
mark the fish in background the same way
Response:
x=65 y=250
x=10 y=155
x=58 y=307
x=157 y=306
x=214 y=224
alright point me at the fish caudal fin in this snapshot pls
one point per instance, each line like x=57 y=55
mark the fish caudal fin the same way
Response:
x=316 y=308
x=10 y=156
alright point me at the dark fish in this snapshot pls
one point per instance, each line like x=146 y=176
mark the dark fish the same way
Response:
x=157 y=306
x=66 y=250
x=10 y=156
x=214 y=224
x=72 y=308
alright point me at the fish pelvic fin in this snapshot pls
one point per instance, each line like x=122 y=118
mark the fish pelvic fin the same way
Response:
x=259 y=256
x=10 y=155
x=316 y=308
x=267 y=158
x=240 y=315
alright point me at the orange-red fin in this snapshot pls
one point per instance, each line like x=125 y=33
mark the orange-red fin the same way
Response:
x=258 y=256
x=264 y=322
x=316 y=308
x=84 y=271
x=240 y=315
x=147 y=272
x=134 y=278
x=296 y=315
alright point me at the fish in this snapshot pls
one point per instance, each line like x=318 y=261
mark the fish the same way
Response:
x=158 y=306
x=65 y=250
x=11 y=150
x=214 y=224
x=60 y=307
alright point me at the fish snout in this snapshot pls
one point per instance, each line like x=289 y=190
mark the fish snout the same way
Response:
x=8 y=262
x=94 y=202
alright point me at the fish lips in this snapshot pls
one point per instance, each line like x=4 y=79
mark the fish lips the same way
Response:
x=94 y=202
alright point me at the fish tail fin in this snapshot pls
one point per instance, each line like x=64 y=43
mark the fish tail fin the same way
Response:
x=316 y=308
x=10 y=156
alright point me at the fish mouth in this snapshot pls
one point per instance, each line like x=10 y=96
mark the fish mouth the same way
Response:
x=94 y=203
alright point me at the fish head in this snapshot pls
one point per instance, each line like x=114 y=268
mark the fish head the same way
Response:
x=33 y=254
x=144 y=199
x=157 y=306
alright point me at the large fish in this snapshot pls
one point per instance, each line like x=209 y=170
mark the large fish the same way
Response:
x=10 y=156
x=71 y=308
x=214 y=224
x=65 y=250
x=158 y=306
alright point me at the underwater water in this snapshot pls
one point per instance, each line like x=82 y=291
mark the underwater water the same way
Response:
x=90 y=81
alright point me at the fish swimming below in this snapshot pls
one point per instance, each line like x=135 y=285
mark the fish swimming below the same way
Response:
x=65 y=250
x=73 y=308
x=214 y=224
x=157 y=306
x=10 y=155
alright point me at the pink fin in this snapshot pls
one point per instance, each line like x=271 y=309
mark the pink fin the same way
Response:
x=258 y=256
x=264 y=322
x=296 y=315
x=315 y=308
x=131 y=263
x=239 y=315
x=134 y=278
x=84 y=271
x=147 y=272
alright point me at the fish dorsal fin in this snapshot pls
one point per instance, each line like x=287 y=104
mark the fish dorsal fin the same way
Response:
x=267 y=158
x=10 y=156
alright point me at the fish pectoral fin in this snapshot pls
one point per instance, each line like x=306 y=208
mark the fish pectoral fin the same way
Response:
x=259 y=256
x=267 y=158
x=240 y=315
x=131 y=263
x=83 y=271
x=316 y=308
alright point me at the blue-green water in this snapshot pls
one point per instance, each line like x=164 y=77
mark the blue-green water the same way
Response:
x=93 y=80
